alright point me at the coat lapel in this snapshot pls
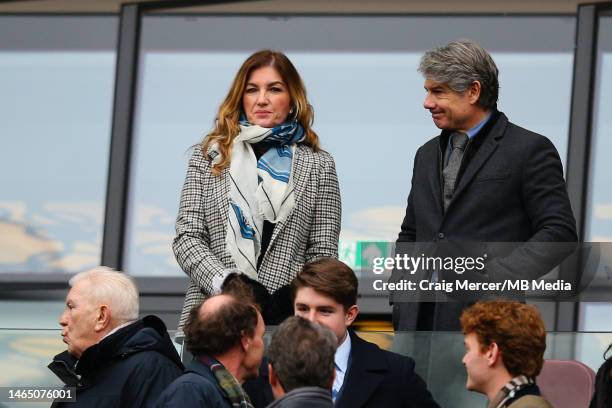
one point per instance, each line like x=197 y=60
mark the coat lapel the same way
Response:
x=480 y=158
x=434 y=176
x=367 y=370
x=221 y=191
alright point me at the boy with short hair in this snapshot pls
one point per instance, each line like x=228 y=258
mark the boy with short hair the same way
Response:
x=325 y=292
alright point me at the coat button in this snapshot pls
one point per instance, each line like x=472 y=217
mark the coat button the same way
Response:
x=441 y=235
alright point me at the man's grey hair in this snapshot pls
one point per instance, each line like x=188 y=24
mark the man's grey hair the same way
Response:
x=115 y=289
x=302 y=354
x=458 y=64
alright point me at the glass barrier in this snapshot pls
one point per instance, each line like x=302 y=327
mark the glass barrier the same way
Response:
x=25 y=354
x=438 y=358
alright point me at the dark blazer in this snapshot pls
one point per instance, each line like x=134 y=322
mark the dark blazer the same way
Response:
x=510 y=189
x=378 y=378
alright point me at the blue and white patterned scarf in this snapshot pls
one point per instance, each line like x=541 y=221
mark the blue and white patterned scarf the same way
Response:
x=265 y=194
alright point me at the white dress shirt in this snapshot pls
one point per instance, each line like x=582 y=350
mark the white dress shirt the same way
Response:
x=341 y=360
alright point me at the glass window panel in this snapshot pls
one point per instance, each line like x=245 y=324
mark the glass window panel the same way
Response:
x=360 y=73
x=599 y=209
x=599 y=218
x=56 y=76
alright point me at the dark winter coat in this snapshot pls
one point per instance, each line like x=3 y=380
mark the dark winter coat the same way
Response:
x=129 y=368
x=198 y=387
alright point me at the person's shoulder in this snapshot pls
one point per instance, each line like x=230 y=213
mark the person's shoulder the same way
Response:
x=151 y=359
x=190 y=388
x=149 y=344
x=190 y=377
x=531 y=401
x=400 y=362
x=320 y=157
x=194 y=382
x=198 y=160
x=395 y=361
x=144 y=367
x=399 y=375
x=197 y=155
x=526 y=137
x=429 y=147
x=306 y=150
x=431 y=142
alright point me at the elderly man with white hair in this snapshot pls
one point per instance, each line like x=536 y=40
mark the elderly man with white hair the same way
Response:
x=112 y=358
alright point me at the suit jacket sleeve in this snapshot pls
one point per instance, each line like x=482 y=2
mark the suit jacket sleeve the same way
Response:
x=547 y=204
x=545 y=195
x=191 y=245
x=407 y=234
x=418 y=394
x=408 y=229
x=325 y=230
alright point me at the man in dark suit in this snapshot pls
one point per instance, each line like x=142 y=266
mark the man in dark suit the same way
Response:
x=325 y=292
x=483 y=179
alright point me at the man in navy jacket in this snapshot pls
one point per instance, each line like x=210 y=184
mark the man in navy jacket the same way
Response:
x=113 y=360
x=225 y=336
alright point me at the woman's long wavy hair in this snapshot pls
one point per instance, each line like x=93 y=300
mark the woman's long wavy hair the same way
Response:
x=226 y=123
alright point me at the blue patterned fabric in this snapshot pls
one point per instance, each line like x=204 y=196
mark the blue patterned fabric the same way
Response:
x=277 y=161
x=288 y=133
x=245 y=230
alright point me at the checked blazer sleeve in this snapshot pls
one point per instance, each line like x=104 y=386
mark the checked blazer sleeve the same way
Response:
x=193 y=247
x=325 y=232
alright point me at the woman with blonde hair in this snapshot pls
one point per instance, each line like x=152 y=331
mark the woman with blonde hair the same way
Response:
x=260 y=197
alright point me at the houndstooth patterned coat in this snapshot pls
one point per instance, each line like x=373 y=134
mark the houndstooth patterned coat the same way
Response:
x=310 y=231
